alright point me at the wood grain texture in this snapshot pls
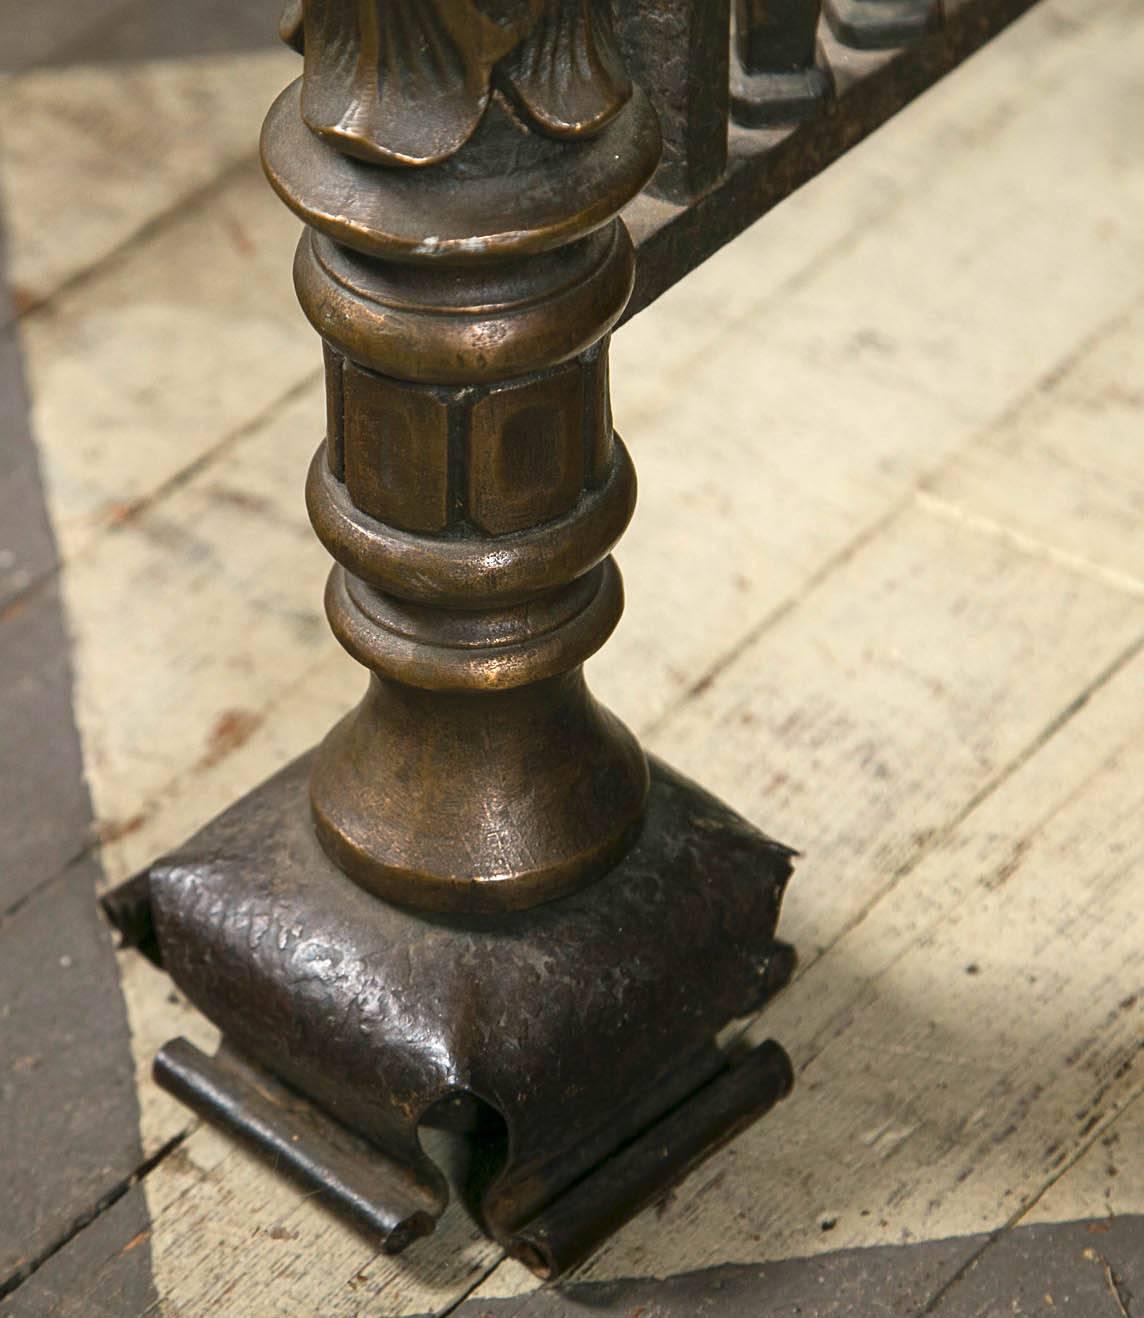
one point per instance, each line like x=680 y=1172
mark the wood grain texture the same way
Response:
x=819 y=393
x=1062 y=473
x=912 y=681
x=156 y=370
x=228 y=553
x=871 y=84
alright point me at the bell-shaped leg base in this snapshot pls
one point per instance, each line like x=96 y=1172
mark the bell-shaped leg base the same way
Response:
x=478 y=802
x=574 y=1041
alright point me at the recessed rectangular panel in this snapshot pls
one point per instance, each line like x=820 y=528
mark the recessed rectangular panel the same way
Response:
x=396 y=450
x=526 y=451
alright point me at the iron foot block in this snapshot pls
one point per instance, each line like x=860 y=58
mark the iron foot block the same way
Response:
x=569 y=1047
x=882 y=24
x=770 y=100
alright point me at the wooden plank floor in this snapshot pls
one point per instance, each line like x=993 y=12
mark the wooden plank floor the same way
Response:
x=886 y=596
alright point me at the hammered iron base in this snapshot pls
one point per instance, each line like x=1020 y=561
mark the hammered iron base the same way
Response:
x=569 y=1047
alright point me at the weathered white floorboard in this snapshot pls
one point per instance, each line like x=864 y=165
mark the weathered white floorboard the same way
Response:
x=225 y=556
x=800 y=424
x=970 y=1038
x=140 y=372
x=1063 y=472
x=152 y=134
x=229 y=1236
x=896 y=693
x=853 y=203
x=1108 y=1181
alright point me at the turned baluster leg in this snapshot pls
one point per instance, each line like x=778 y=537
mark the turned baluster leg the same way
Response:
x=470 y=486
x=470 y=489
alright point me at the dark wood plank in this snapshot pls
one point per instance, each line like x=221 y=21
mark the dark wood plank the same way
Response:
x=68 y=1110
x=45 y=814
x=67 y=1080
x=890 y=1281
x=27 y=550
x=55 y=32
x=1079 y=1269
x=97 y=1274
x=174 y=29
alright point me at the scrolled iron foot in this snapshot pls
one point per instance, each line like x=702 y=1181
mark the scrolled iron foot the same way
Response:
x=569 y=1229
x=393 y=1204
x=396 y=1205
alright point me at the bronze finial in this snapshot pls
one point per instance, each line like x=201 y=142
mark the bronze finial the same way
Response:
x=406 y=82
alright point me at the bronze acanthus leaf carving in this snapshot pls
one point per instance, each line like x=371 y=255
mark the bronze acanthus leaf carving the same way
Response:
x=412 y=80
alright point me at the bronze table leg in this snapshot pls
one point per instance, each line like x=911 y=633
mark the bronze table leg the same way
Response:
x=474 y=903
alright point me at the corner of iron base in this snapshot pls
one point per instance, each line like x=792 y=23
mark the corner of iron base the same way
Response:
x=573 y=1056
